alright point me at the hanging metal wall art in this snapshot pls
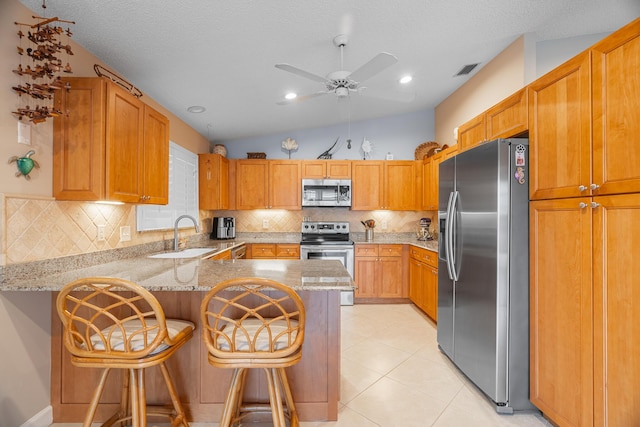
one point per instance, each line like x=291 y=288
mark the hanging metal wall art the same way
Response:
x=25 y=164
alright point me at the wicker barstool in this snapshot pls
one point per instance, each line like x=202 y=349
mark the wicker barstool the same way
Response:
x=254 y=323
x=112 y=323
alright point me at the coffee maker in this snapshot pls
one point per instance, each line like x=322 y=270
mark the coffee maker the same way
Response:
x=423 y=232
x=224 y=227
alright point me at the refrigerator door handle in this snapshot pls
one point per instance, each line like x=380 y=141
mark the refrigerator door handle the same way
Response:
x=447 y=237
x=451 y=256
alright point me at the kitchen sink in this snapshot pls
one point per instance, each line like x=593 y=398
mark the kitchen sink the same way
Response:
x=187 y=253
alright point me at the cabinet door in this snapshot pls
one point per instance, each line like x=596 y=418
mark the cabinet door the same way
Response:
x=509 y=117
x=367 y=185
x=430 y=285
x=78 y=140
x=213 y=181
x=155 y=158
x=319 y=169
x=124 y=145
x=365 y=269
x=314 y=169
x=400 y=185
x=285 y=186
x=561 y=311
x=617 y=310
x=288 y=250
x=390 y=277
x=472 y=133
x=415 y=281
x=560 y=131
x=252 y=184
x=339 y=169
x=616 y=112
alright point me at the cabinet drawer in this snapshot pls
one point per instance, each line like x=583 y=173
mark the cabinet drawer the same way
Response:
x=288 y=250
x=424 y=255
x=263 y=250
x=366 y=250
x=390 y=250
x=222 y=255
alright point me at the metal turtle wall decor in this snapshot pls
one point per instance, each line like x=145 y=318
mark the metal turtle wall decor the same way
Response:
x=25 y=164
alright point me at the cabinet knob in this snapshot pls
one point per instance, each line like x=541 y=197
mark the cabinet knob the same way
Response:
x=594 y=186
x=582 y=188
x=582 y=205
x=594 y=205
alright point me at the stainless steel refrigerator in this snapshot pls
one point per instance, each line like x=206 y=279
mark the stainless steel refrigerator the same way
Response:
x=483 y=269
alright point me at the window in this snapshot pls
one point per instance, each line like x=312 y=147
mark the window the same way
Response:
x=183 y=193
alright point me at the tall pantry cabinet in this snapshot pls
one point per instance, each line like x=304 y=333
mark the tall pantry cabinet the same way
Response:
x=585 y=226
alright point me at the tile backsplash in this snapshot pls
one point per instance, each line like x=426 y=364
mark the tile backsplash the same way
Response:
x=38 y=228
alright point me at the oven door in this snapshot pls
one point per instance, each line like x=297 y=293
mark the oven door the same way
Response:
x=342 y=253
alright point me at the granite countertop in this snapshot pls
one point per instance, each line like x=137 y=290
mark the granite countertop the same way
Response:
x=196 y=274
x=396 y=238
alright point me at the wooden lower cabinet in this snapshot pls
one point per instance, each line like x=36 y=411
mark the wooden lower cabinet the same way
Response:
x=423 y=280
x=585 y=305
x=274 y=250
x=315 y=380
x=222 y=255
x=380 y=272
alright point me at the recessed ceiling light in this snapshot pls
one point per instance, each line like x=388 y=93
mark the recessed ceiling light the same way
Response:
x=196 y=109
x=406 y=79
x=291 y=95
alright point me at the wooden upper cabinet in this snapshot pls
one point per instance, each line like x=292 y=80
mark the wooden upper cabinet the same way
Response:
x=213 y=181
x=252 y=184
x=616 y=111
x=268 y=184
x=320 y=169
x=285 y=186
x=155 y=158
x=367 y=182
x=472 y=133
x=108 y=145
x=560 y=131
x=508 y=118
x=391 y=185
x=400 y=185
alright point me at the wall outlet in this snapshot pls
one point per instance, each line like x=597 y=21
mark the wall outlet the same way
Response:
x=383 y=224
x=125 y=233
x=100 y=234
x=265 y=223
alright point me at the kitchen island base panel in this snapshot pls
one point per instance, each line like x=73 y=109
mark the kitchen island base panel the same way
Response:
x=315 y=380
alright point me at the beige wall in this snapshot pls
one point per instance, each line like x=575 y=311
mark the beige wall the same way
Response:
x=34 y=226
x=501 y=77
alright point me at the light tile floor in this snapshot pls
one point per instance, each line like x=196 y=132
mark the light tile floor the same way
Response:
x=393 y=375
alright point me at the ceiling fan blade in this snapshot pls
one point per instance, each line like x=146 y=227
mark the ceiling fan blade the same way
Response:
x=301 y=73
x=373 y=67
x=303 y=98
x=387 y=95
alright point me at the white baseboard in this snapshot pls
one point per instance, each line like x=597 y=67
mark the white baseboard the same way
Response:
x=43 y=418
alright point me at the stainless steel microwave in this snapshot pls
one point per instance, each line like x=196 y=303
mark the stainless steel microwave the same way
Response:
x=326 y=192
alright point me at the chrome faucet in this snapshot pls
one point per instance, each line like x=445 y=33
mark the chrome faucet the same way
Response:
x=175 y=229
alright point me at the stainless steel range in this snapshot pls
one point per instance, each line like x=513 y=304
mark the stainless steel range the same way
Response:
x=329 y=240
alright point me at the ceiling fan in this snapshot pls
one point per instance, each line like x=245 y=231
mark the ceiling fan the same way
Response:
x=342 y=83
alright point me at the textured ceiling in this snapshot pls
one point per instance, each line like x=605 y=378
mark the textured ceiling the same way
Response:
x=221 y=54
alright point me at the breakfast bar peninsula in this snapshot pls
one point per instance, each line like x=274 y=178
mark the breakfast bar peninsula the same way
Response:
x=179 y=285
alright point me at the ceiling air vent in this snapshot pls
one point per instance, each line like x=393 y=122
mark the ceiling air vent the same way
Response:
x=466 y=69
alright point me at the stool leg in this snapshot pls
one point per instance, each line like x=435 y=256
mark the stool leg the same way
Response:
x=138 y=400
x=293 y=414
x=180 y=417
x=234 y=399
x=275 y=397
x=93 y=405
